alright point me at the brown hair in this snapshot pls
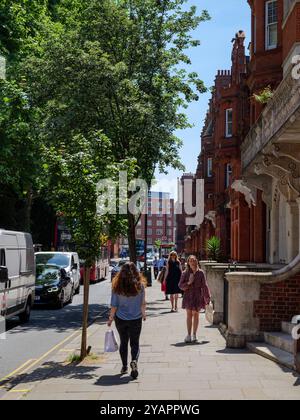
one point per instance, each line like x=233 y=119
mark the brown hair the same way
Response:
x=170 y=257
x=188 y=267
x=128 y=282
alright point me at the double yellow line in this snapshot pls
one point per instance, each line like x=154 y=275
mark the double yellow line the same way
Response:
x=31 y=363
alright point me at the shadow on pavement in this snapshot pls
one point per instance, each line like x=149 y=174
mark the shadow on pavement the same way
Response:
x=70 y=317
x=110 y=380
x=54 y=370
x=200 y=343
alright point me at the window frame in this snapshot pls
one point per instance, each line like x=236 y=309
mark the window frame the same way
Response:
x=209 y=167
x=228 y=174
x=268 y=25
x=227 y=134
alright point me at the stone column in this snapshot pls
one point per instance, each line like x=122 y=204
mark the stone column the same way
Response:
x=243 y=291
x=293 y=230
x=274 y=237
x=215 y=279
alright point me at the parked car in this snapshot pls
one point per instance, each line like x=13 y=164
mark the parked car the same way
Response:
x=17 y=274
x=115 y=270
x=53 y=286
x=118 y=267
x=69 y=261
x=113 y=263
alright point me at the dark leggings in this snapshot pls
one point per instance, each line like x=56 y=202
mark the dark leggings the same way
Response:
x=129 y=330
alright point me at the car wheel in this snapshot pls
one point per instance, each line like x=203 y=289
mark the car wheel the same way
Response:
x=25 y=316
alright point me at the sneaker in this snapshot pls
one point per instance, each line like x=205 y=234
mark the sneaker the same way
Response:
x=188 y=339
x=194 y=339
x=124 y=370
x=134 y=369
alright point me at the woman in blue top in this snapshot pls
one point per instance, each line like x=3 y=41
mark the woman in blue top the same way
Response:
x=128 y=309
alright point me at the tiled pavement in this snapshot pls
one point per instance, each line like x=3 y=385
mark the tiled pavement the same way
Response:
x=169 y=369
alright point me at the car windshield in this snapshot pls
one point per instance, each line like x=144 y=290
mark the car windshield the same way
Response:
x=46 y=273
x=58 y=260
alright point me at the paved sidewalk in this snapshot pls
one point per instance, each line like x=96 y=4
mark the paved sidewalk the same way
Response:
x=168 y=368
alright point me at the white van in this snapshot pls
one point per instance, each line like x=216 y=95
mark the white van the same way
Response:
x=66 y=260
x=17 y=274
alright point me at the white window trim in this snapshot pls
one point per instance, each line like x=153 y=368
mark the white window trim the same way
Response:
x=227 y=134
x=209 y=167
x=228 y=174
x=267 y=46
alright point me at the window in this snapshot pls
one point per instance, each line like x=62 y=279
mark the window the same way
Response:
x=228 y=174
x=169 y=223
x=209 y=167
x=149 y=241
x=228 y=123
x=149 y=231
x=138 y=232
x=271 y=24
x=159 y=223
x=2 y=258
x=169 y=232
x=159 y=232
x=149 y=222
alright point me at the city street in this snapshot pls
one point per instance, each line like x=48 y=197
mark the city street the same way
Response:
x=47 y=328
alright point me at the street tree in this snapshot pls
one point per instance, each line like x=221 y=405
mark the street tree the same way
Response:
x=73 y=174
x=121 y=68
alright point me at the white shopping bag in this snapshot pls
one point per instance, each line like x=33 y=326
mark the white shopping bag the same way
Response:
x=110 y=344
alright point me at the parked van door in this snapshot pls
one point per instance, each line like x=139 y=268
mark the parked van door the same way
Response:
x=3 y=292
x=13 y=266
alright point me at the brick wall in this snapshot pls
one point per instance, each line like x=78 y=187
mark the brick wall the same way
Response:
x=278 y=302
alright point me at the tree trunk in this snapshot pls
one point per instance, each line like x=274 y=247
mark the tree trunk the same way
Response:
x=27 y=222
x=85 y=316
x=131 y=238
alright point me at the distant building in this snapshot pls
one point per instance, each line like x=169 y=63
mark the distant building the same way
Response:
x=160 y=220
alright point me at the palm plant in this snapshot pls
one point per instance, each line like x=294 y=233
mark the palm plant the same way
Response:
x=213 y=248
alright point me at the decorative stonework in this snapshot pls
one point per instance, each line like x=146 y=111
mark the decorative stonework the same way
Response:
x=211 y=216
x=276 y=117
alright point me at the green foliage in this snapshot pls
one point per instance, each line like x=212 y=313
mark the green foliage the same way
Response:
x=20 y=147
x=213 y=248
x=264 y=96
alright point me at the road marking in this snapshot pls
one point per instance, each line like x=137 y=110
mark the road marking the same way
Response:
x=20 y=390
x=51 y=350
x=16 y=370
x=36 y=361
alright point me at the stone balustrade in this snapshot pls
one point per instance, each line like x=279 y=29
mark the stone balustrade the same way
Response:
x=215 y=275
x=277 y=113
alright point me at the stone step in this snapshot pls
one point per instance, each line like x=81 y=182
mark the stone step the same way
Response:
x=280 y=340
x=287 y=327
x=273 y=353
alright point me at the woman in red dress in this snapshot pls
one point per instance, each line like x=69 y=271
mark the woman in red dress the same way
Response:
x=196 y=296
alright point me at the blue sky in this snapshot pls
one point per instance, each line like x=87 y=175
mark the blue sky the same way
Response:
x=214 y=53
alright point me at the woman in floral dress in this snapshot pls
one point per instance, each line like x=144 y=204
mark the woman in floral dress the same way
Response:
x=196 y=296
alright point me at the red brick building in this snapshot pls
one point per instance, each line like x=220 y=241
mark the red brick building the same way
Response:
x=160 y=220
x=219 y=161
x=237 y=207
